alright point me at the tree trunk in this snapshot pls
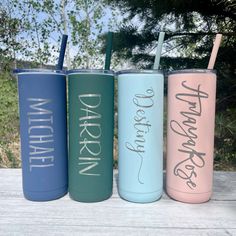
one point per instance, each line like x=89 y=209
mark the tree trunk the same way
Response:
x=88 y=25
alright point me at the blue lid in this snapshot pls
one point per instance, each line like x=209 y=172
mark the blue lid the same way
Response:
x=36 y=71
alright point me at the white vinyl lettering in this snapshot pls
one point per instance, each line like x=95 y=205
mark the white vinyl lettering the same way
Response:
x=90 y=133
x=40 y=133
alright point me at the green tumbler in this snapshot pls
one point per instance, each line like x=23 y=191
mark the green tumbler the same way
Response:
x=91 y=130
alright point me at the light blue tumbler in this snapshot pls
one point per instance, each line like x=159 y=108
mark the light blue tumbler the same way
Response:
x=140 y=132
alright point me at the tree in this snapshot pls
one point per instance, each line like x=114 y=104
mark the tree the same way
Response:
x=190 y=27
x=9 y=29
x=40 y=26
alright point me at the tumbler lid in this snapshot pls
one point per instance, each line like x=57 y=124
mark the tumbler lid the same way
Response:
x=90 y=71
x=187 y=71
x=135 y=71
x=38 y=71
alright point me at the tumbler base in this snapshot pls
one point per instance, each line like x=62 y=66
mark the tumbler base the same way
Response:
x=140 y=197
x=89 y=197
x=45 y=196
x=188 y=197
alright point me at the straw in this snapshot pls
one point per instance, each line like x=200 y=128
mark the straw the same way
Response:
x=59 y=65
x=108 y=50
x=158 y=52
x=214 y=51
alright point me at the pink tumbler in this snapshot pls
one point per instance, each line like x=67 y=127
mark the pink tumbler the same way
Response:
x=190 y=135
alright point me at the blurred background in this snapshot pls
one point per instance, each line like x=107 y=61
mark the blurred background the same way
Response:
x=30 y=34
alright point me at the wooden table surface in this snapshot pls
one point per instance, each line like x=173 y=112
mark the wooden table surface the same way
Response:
x=116 y=216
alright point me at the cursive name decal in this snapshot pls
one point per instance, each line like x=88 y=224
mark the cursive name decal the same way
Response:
x=141 y=125
x=186 y=169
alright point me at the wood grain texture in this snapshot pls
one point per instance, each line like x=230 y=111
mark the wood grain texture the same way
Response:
x=116 y=216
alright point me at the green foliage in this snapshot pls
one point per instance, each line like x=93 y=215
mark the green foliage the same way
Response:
x=8 y=108
x=12 y=160
x=9 y=28
x=225 y=139
x=190 y=27
x=9 y=131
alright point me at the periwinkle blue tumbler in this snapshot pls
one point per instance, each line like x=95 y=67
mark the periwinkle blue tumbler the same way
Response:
x=43 y=133
x=140 y=132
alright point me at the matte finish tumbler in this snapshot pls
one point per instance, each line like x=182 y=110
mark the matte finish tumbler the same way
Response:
x=140 y=132
x=43 y=133
x=190 y=135
x=91 y=127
